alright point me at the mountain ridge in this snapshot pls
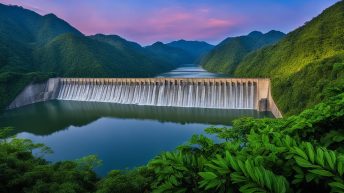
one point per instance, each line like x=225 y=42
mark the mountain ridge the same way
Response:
x=197 y=49
x=173 y=55
x=306 y=66
x=34 y=47
x=228 y=54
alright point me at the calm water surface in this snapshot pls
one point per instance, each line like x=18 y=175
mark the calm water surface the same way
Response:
x=123 y=136
x=190 y=71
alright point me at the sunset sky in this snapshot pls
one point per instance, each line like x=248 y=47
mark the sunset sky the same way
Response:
x=148 y=21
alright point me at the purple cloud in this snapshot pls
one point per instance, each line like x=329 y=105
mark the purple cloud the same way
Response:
x=167 y=20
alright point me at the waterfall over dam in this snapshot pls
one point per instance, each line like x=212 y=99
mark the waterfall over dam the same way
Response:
x=220 y=93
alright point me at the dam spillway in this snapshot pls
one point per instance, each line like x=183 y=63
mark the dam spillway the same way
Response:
x=220 y=93
x=177 y=93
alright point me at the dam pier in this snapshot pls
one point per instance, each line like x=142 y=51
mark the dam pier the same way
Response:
x=220 y=93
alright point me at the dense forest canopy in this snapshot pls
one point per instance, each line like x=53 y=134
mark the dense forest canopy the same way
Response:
x=226 y=56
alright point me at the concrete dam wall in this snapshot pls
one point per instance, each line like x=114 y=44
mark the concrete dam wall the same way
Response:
x=220 y=93
x=39 y=92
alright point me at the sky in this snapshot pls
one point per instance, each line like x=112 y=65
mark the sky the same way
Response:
x=148 y=21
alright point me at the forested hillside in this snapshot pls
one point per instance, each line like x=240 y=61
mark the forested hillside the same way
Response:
x=305 y=64
x=168 y=53
x=80 y=56
x=162 y=53
x=196 y=49
x=35 y=43
x=35 y=47
x=228 y=54
x=21 y=31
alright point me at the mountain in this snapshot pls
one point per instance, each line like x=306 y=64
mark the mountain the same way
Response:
x=160 y=53
x=117 y=41
x=34 y=47
x=21 y=30
x=35 y=43
x=175 y=56
x=172 y=54
x=228 y=54
x=307 y=65
x=27 y=26
x=197 y=49
x=80 y=56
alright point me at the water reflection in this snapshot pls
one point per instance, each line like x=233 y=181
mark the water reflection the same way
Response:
x=48 y=117
x=122 y=136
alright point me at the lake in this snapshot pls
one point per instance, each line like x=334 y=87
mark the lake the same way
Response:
x=122 y=136
x=190 y=71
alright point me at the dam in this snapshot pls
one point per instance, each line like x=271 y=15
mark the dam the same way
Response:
x=219 y=93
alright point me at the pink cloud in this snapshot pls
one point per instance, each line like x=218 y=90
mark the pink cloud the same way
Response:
x=163 y=24
x=163 y=20
x=219 y=23
x=153 y=20
x=169 y=24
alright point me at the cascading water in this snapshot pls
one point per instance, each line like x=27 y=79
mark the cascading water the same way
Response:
x=224 y=95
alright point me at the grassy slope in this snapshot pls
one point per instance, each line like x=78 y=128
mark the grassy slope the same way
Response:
x=304 y=64
x=227 y=55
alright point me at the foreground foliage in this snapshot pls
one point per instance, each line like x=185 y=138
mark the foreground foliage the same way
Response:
x=302 y=153
x=21 y=171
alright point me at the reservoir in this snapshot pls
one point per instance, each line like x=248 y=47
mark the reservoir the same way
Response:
x=190 y=71
x=123 y=136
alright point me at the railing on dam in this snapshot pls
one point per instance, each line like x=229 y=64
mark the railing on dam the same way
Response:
x=225 y=93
